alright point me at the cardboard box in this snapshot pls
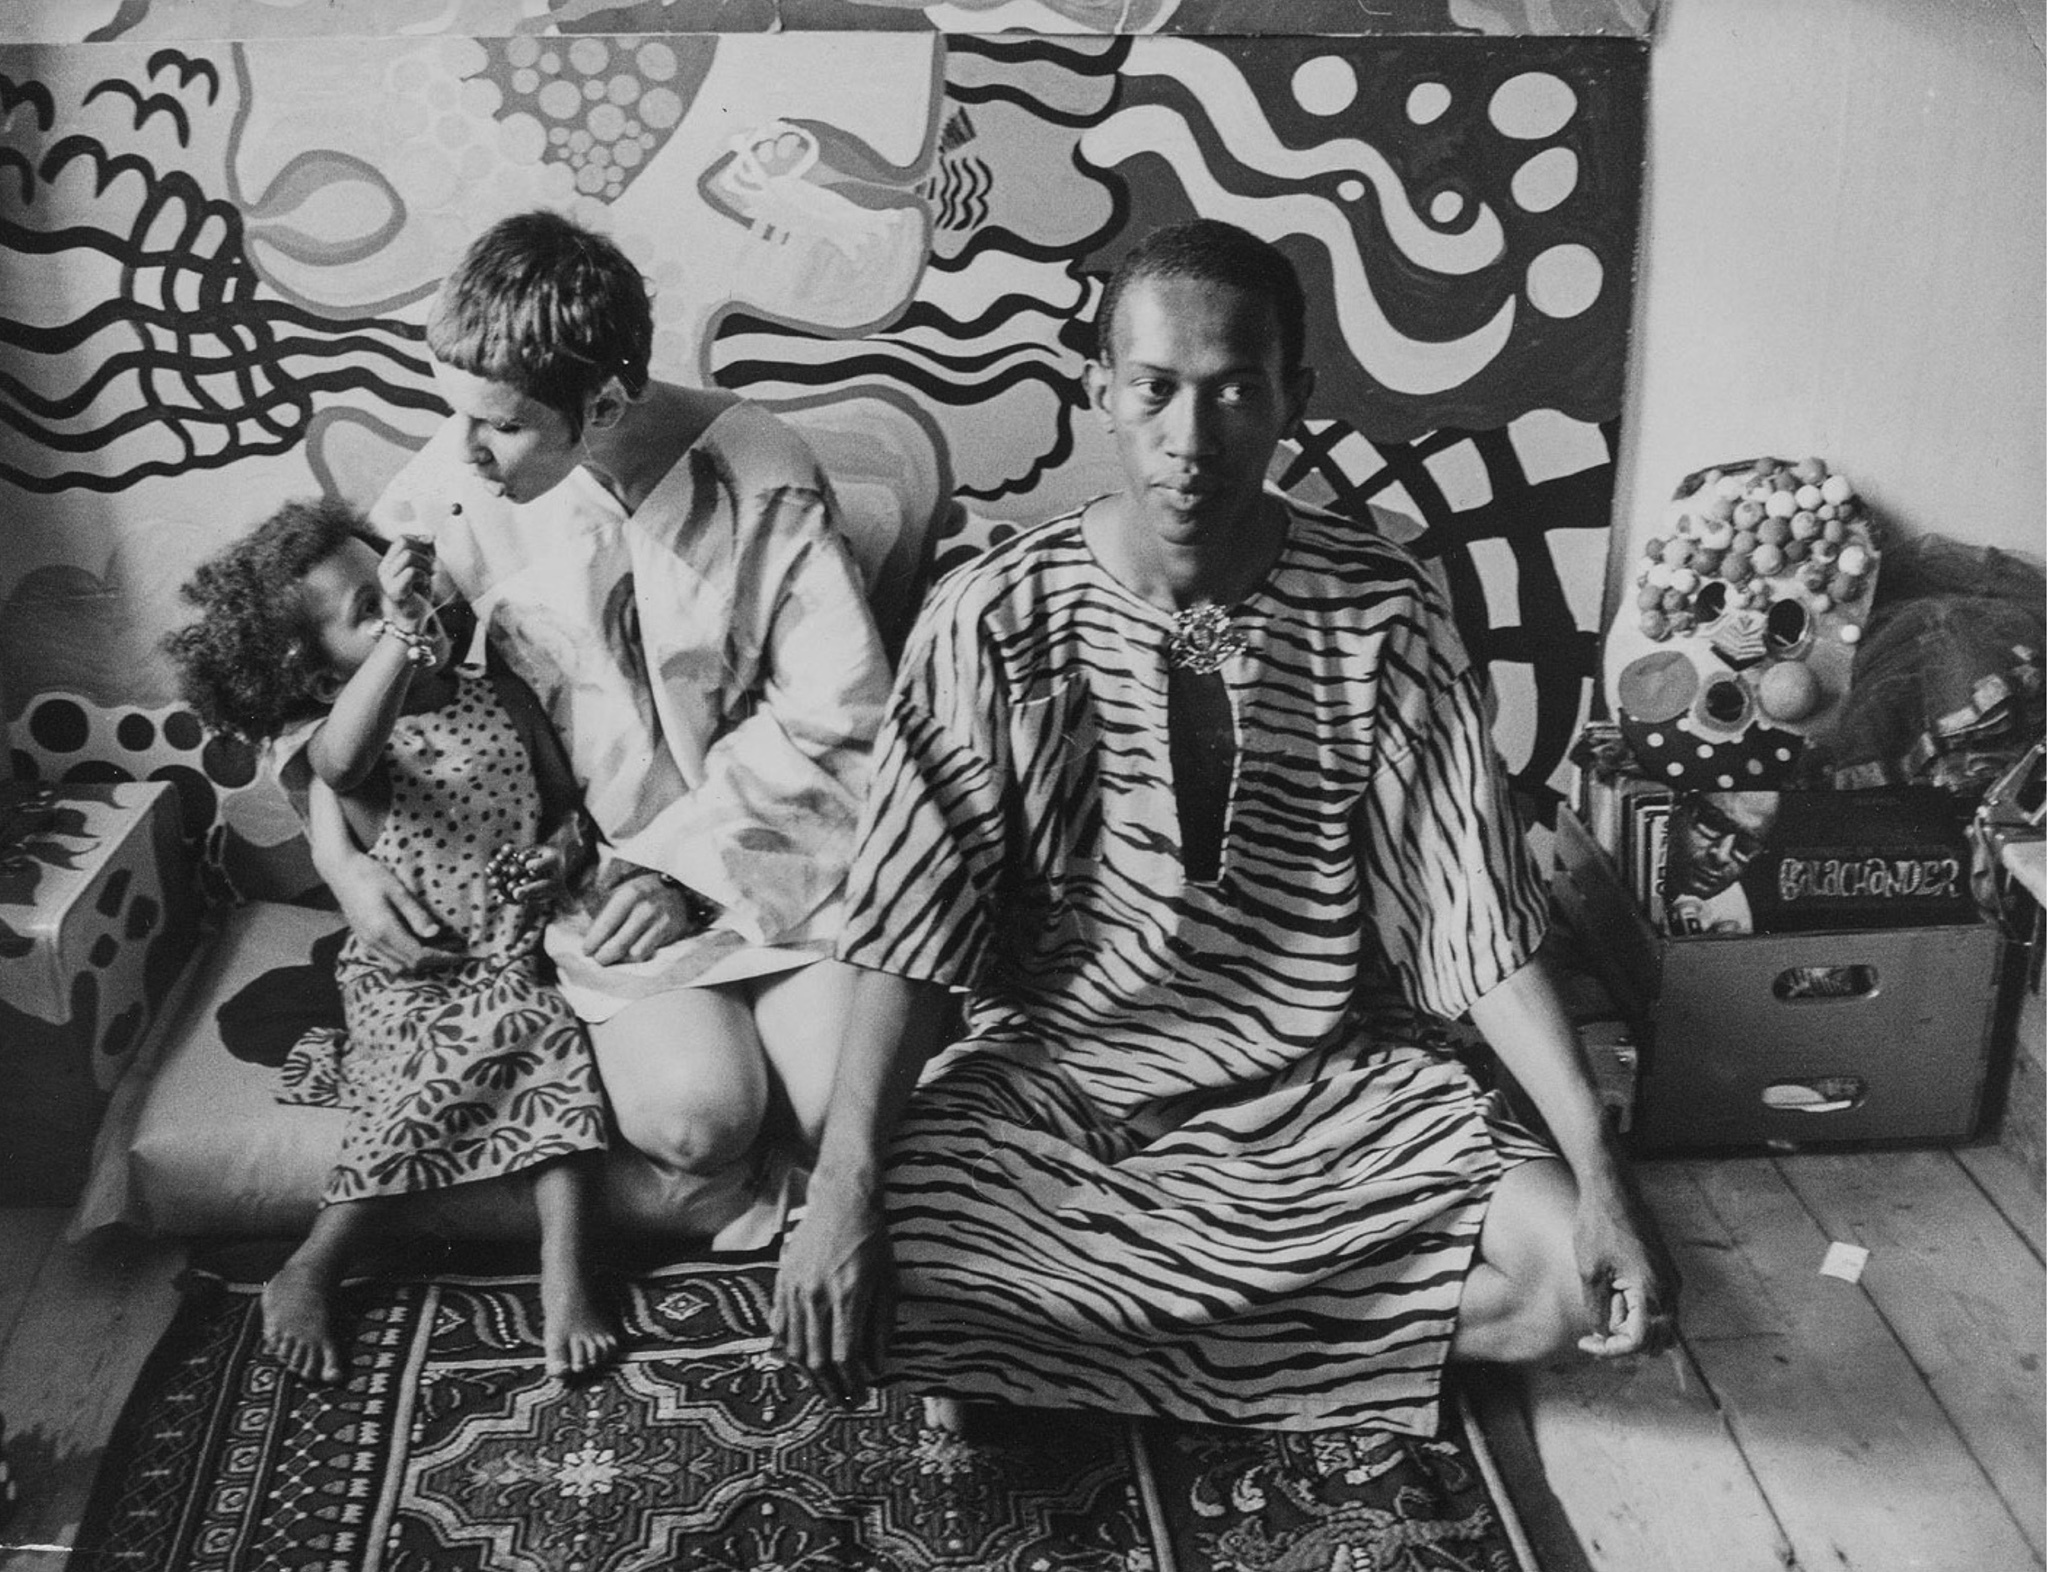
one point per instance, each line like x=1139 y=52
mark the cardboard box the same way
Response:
x=1796 y=1039
x=98 y=915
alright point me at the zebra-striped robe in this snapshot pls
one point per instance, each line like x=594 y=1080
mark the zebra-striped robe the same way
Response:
x=1194 y=1157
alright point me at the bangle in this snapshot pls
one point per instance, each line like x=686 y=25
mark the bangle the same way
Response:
x=419 y=647
x=702 y=913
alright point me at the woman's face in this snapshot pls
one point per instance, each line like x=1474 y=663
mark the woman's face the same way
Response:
x=518 y=446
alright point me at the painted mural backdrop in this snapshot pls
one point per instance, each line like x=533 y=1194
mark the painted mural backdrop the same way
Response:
x=220 y=251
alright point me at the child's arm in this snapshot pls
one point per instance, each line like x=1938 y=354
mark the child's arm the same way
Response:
x=395 y=923
x=346 y=746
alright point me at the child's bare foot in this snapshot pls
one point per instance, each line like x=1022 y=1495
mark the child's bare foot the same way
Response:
x=298 y=1323
x=577 y=1334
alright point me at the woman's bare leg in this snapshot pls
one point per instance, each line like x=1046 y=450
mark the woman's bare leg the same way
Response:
x=577 y=1334
x=688 y=1086
x=298 y=1301
x=686 y=1077
x=801 y=1016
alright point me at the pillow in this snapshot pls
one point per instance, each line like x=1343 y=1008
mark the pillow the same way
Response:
x=196 y=1141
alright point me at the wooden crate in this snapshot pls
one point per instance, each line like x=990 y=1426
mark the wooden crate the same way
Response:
x=1735 y=1054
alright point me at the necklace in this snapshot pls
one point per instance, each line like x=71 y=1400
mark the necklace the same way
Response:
x=1202 y=639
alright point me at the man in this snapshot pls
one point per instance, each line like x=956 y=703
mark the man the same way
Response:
x=1715 y=836
x=1171 y=789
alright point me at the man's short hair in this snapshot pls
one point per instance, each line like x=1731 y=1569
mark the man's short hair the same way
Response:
x=1210 y=251
x=550 y=307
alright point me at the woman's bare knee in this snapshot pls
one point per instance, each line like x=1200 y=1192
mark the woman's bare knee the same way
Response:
x=686 y=1079
x=693 y=1137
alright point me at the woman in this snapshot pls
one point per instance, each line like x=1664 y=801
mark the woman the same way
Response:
x=661 y=565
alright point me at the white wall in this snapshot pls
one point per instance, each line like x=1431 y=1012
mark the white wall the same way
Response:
x=1842 y=255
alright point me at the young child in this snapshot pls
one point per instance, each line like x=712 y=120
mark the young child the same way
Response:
x=314 y=631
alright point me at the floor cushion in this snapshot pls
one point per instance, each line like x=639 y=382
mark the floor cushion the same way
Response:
x=197 y=1142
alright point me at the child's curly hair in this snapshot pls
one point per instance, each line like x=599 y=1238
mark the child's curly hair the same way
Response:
x=251 y=664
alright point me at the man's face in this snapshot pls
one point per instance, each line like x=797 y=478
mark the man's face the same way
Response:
x=1197 y=397
x=1718 y=834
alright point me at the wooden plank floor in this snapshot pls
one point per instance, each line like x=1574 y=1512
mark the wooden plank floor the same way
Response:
x=1894 y=1424
x=77 y=1322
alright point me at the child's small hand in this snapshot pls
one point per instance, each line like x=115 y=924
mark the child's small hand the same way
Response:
x=406 y=579
x=520 y=875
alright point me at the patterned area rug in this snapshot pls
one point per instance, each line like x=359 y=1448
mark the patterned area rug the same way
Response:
x=449 y=1450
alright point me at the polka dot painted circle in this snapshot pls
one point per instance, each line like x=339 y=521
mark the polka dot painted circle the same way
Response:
x=60 y=725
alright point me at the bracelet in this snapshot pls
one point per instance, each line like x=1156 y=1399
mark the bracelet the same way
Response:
x=701 y=912
x=419 y=647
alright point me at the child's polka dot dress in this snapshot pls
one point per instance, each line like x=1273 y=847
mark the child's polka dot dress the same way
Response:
x=480 y=1069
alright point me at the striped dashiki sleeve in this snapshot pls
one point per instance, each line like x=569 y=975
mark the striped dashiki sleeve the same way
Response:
x=930 y=848
x=1452 y=888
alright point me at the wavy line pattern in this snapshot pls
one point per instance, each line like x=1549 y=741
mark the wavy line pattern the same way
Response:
x=959 y=193
x=1209 y=76
x=1395 y=360
x=191 y=364
x=994 y=338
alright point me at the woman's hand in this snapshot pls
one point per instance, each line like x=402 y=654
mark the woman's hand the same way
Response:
x=387 y=917
x=639 y=911
x=835 y=1293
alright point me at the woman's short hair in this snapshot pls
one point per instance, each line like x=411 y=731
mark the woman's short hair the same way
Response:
x=252 y=664
x=1210 y=251
x=550 y=307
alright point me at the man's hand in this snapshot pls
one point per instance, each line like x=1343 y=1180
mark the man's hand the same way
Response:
x=637 y=915
x=1631 y=1286
x=835 y=1294
x=387 y=917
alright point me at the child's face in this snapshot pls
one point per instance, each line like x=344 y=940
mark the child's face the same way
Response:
x=518 y=446
x=346 y=605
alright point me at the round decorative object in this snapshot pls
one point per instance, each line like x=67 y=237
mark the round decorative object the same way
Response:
x=1724 y=707
x=1753 y=564
x=1762 y=755
x=1788 y=630
x=1203 y=639
x=1788 y=691
x=1657 y=686
x=1712 y=602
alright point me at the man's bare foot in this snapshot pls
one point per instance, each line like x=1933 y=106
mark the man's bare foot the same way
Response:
x=298 y=1323
x=577 y=1334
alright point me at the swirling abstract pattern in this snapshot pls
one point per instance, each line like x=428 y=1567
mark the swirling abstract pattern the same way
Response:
x=75 y=20
x=890 y=222
x=994 y=338
x=184 y=362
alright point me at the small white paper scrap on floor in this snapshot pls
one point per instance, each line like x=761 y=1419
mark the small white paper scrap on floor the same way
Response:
x=1845 y=1261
